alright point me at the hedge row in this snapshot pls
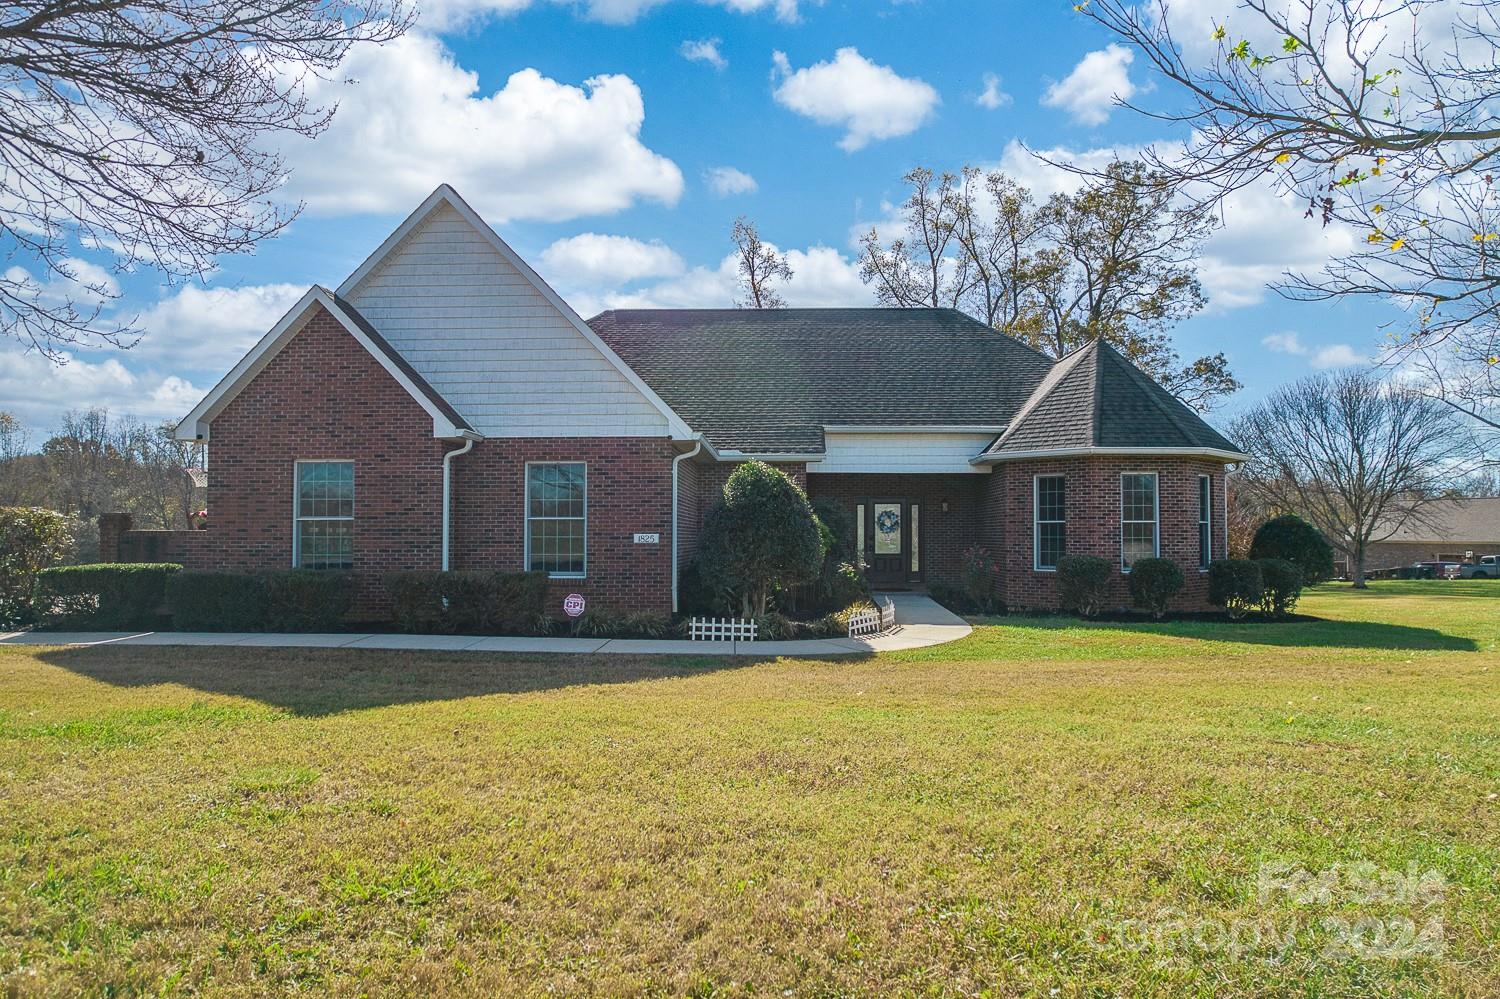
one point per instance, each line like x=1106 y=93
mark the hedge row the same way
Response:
x=483 y=603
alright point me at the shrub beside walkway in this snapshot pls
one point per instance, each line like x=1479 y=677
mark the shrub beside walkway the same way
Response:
x=920 y=622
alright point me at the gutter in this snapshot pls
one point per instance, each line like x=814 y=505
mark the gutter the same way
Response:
x=677 y=461
x=468 y=439
x=1086 y=452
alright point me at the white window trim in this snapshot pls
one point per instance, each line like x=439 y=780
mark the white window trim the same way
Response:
x=1155 y=512
x=1208 y=513
x=526 y=520
x=297 y=517
x=1036 y=521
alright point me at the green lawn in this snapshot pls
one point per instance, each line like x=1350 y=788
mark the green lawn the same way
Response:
x=1042 y=809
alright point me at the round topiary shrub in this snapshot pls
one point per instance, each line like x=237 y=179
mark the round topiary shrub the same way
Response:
x=1236 y=585
x=761 y=538
x=1153 y=584
x=1083 y=583
x=1291 y=538
x=1282 y=582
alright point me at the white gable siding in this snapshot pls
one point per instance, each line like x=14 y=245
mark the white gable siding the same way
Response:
x=918 y=452
x=492 y=345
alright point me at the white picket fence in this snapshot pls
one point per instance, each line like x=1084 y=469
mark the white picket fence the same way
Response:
x=721 y=629
x=875 y=622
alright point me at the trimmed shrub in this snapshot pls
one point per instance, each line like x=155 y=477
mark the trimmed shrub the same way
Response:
x=1236 y=585
x=307 y=600
x=104 y=597
x=696 y=596
x=216 y=601
x=1282 y=585
x=774 y=627
x=979 y=580
x=762 y=537
x=1083 y=583
x=31 y=539
x=467 y=602
x=604 y=623
x=1153 y=584
x=1291 y=538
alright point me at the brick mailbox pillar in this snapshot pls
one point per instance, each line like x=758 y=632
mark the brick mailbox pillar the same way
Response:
x=112 y=527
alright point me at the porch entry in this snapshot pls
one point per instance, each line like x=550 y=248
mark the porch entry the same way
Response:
x=890 y=539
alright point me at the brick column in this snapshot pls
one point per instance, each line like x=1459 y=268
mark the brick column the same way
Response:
x=112 y=526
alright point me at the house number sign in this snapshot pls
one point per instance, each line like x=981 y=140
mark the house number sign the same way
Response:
x=648 y=539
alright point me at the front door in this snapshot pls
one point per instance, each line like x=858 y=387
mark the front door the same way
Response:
x=891 y=541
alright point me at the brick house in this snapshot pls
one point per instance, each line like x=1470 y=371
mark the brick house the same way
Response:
x=444 y=408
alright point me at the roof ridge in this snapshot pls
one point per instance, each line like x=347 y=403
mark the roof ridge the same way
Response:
x=1061 y=368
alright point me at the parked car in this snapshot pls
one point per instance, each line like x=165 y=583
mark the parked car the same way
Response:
x=1484 y=567
x=1430 y=570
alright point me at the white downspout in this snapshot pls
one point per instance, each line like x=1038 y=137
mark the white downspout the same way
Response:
x=448 y=495
x=697 y=447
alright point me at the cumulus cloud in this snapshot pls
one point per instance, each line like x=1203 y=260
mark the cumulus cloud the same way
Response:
x=992 y=97
x=77 y=282
x=534 y=149
x=725 y=181
x=1334 y=355
x=703 y=50
x=211 y=328
x=39 y=391
x=868 y=101
x=1090 y=91
x=447 y=14
x=592 y=259
x=821 y=276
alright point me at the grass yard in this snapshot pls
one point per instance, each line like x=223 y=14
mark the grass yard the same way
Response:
x=1042 y=809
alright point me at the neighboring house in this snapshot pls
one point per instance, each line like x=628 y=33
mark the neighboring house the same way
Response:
x=445 y=408
x=1453 y=530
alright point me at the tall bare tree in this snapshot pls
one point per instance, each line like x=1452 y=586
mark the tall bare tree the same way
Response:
x=161 y=477
x=87 y=462
x=1113 y=261
x=136 y=127
x=16 y=473
x=760 y=268
x=1358 y=457
x=1383 y=115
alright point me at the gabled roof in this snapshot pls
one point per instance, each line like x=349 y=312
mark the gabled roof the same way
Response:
x=768 y=381
x=1096 y=401
x=446 y=422
x=446 y=196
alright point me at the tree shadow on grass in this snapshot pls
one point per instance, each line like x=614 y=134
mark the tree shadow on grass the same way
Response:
x=1305 y=632
x=329 y=681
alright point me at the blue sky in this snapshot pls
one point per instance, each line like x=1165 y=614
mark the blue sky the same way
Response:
x=613 y=142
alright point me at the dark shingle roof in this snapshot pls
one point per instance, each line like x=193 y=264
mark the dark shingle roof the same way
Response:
x=1094 y=397
x=768 y=381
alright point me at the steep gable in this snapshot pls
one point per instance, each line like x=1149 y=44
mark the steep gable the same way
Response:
x=492 y=338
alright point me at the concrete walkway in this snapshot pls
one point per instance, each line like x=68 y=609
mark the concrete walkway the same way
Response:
x=920 y=622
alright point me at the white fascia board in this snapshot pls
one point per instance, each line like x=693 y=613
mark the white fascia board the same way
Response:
x=1090 y=452
x=196 y=425
x=766 y=456
x=953 y=428
x=445 y=194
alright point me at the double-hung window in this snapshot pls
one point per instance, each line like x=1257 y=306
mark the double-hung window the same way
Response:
x=323 y=528
x=1049 y=506
x=557 y=518
x=1205 y=521
x=1139 y=536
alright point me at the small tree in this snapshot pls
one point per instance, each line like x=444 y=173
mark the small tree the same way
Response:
x=31 y=539
x=759 y=266
x=762 y=537
x=1293 y=539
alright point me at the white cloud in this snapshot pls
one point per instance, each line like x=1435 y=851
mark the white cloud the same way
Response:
x=1090 y=91
x=992 y=97
x=703 y=50
x=39 y=391
x=725 y=181
x=447 y=14
x=821 y=276
x=1334 y=355
x=212 y=328
x=869 y=102
x=78 y=282
x=535 y=149
x=592 y=259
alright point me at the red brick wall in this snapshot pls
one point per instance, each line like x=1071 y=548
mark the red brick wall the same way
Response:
x=629 y=491
x=1093 y=523
x=944 y=535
